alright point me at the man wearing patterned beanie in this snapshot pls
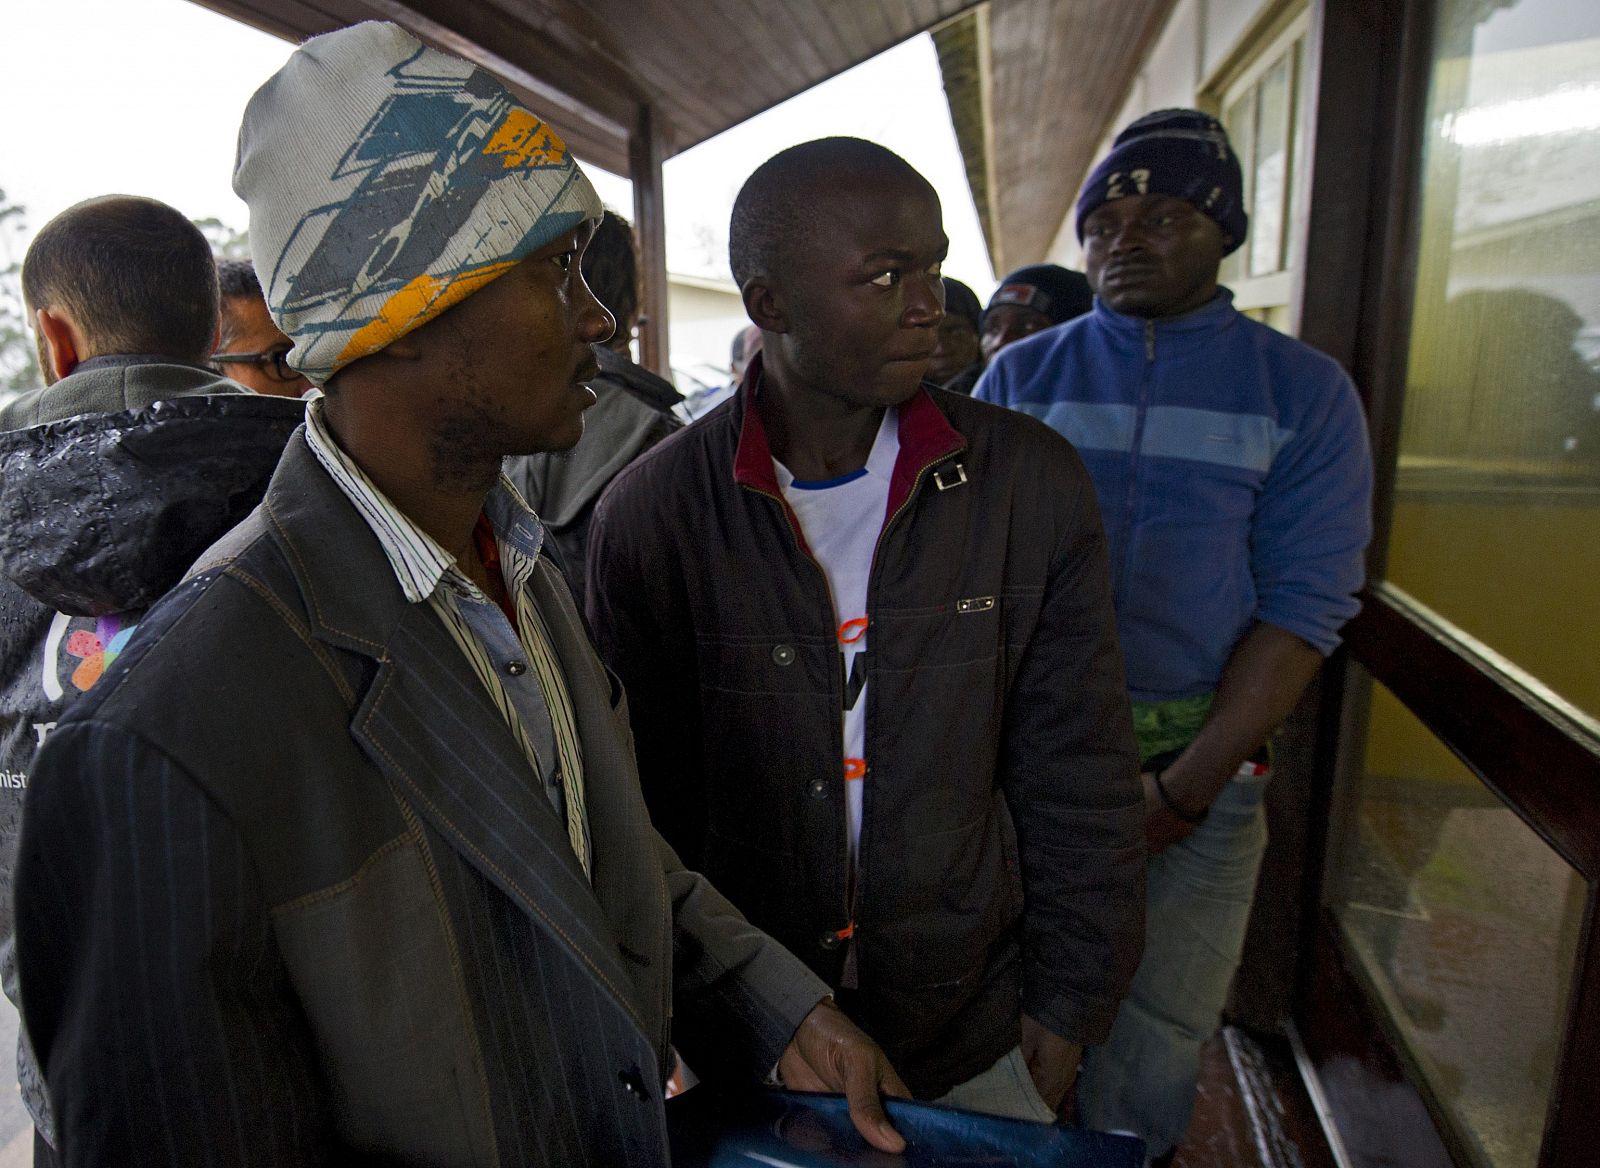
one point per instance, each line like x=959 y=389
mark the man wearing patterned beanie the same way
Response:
x=345 y=861
x=1234 y=475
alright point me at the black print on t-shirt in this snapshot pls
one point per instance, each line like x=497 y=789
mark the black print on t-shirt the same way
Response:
x=857 y=680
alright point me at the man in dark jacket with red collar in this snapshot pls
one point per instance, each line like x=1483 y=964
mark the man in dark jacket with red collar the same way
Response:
x=945 y=825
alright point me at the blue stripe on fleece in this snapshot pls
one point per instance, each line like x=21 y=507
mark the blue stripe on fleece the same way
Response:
x=1248 y=441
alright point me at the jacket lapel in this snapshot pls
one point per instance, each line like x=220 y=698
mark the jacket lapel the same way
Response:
x=627 y=870
x=426 y=722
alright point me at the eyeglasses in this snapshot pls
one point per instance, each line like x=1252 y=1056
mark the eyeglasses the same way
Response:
x=274 y=363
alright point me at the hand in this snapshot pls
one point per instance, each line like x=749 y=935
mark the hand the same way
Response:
x=1052 y=1061
x=1162 y=829
x=830 y=1053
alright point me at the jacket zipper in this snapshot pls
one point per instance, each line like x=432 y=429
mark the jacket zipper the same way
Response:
x=866 y=792
x=1130 y=496
x=783 y=511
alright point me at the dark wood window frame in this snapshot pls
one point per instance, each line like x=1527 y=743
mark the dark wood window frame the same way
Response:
x=1371 y=62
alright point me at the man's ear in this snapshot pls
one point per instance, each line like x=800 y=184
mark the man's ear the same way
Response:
x=764 y=305
x=64 y=345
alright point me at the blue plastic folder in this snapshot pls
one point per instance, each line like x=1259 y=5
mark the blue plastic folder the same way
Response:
x=782 y=1129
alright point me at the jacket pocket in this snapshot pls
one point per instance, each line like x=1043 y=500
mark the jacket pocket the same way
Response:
x=769 y=730
x=372 y=1012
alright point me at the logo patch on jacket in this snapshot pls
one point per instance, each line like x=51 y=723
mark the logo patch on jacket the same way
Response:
x=78 y=650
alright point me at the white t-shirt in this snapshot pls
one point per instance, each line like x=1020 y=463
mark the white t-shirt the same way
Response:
x=841 y=519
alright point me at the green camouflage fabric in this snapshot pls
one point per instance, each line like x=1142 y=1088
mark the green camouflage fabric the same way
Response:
x=1162 y=727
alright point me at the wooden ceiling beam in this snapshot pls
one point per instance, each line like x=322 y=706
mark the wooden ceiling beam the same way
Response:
x=585 y=96
x=1061 y=73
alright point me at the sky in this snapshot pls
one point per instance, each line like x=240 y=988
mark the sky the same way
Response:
x=145 y=97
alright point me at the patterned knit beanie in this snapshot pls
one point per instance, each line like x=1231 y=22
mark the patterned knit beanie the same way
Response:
x=388 y=181
x=1059 y=293
x=1179 y=152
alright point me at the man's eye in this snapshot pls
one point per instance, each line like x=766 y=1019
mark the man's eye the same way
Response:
x=564 y=260
x=887 y=279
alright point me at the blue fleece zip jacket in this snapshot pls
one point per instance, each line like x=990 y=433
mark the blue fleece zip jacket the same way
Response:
x=1233 y=471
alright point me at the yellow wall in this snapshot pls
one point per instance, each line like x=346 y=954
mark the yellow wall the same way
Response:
x=1521 y=574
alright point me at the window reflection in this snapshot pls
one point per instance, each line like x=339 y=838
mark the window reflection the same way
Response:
x=1269 y=197
x=1466 y=925
x=1497 y=512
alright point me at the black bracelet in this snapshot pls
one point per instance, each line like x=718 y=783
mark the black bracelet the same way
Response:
x=1192 y=820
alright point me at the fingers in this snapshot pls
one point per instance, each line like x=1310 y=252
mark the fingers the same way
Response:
x=796 y=1074
x=861 y=1078
x=890 y=1082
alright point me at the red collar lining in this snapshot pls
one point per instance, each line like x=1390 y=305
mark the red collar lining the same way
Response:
x=926 y=437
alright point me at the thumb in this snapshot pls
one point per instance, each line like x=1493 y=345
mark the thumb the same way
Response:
x=866 y=1110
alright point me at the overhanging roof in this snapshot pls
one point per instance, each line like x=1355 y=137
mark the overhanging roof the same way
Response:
x=1034 y=86
x=591 y=66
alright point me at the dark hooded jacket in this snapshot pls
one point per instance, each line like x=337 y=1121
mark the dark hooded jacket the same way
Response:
x=633 y=412
x=126 y=471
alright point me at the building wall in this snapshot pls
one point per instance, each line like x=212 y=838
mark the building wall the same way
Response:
x=703 y=318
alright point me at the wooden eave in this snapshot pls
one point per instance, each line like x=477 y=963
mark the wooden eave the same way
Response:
x=594 y=67
x=1034 y=86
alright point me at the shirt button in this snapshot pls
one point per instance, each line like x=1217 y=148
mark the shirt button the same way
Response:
x=633 y=1084
x=817 y=788
x=516 y=668
x=830 y=941
x=783 y=654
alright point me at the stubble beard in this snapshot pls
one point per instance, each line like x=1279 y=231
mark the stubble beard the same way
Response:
x=466 y=444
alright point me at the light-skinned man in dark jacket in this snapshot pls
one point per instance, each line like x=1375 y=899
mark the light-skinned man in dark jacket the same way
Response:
x=866 y=633
x=108 y=496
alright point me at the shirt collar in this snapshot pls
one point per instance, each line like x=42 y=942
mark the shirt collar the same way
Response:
x=420 y=564
x=880 y=459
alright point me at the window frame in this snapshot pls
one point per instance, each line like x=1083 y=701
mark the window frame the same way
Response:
x=1287 y=33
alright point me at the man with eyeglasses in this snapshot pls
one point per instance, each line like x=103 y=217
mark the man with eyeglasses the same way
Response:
x=250 y=348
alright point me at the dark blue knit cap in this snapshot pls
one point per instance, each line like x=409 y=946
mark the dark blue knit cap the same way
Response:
x=1179 y=152
x=1059 y=293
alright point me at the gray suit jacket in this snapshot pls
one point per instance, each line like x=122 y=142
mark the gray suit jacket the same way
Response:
x=289 y=893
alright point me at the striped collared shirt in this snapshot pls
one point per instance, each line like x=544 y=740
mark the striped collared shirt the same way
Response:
x=517 y=666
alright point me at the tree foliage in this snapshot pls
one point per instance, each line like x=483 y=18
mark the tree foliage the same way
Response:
x=224 y=240
x=19 y=360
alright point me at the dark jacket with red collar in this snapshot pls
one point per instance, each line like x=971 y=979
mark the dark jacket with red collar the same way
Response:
x=1002 y=855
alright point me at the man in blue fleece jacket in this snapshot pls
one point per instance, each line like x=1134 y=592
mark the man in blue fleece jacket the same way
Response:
x=1234 y=477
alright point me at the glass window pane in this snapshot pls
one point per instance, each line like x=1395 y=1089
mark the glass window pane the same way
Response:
x=1497 y=512
x=1466 y=924
x=1239 y=119
x=1270 y=188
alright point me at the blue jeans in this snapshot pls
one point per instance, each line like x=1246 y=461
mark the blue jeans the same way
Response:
x=1198 y=893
